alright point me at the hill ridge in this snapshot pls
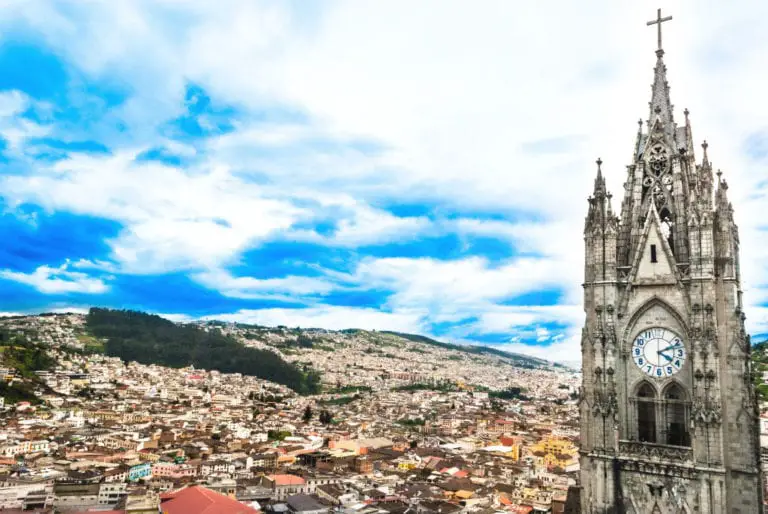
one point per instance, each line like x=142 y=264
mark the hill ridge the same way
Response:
x=477 y=349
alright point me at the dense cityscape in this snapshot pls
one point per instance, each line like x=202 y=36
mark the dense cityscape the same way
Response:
x=398 y=425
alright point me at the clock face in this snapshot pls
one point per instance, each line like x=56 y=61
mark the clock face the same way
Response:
x=658 y=352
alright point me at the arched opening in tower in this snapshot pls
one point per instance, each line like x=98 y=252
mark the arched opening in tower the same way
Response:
x=646 y=414
x=675 y=413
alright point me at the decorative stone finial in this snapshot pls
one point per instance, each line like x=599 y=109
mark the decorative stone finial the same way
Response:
x=705 y=159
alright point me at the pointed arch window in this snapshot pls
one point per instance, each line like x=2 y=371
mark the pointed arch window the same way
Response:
x=646 y=413
x=675 y=411
x=667 y=227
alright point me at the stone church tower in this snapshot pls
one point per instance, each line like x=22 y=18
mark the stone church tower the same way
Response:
x=668 y=411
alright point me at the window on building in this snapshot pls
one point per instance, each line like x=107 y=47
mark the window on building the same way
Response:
x=676 y=419
x=646 y=414
x=653 y=253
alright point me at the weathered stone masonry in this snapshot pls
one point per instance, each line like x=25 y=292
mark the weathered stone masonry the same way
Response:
x=668 y=263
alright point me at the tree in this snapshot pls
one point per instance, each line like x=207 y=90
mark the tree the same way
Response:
x=277 y=435
x=325 y=417
x=307 y=414
x=304 y=341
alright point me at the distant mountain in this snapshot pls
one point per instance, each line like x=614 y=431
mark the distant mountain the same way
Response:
x=523 y=361
x=292 y=339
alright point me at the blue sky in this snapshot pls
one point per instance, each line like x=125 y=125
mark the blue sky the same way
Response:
x=341 y=164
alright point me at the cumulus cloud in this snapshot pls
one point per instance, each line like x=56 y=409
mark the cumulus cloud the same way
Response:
x=486 y=121
x=293 y=288
x=173 y=219
x=57 y=280
x=15 y=130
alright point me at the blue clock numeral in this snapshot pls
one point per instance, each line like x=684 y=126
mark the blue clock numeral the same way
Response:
x=640 y=342
x=669 y=370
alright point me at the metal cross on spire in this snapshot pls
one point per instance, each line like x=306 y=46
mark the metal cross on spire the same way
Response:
x=658 y=21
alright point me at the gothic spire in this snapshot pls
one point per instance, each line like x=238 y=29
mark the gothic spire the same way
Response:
x=706 y=177
x=599 y=180
x=639 y=139
x=661 y=105
x=721 y=195
x=688 y=134
x=600 y=211
x=705 y=159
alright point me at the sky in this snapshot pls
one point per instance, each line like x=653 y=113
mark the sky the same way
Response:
x=392 y=165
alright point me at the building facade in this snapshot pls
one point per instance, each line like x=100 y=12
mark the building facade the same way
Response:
x=669 y=418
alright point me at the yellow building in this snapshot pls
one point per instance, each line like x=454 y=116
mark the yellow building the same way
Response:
x=555 y=452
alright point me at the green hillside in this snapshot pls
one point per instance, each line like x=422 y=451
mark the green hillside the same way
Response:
x=18 y=353
x=150 y=339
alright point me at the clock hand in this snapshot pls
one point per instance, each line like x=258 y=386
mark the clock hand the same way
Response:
x=673 y=347
x=666 y=356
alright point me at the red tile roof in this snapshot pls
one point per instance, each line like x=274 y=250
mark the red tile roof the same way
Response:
x=199 y=500
x=286 y=480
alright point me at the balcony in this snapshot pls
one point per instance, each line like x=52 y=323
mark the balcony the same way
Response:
x=652 y=451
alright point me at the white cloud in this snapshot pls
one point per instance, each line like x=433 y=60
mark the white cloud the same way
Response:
x=556 y=243
x=455 y=288
x=358 y=224
x=567 y=351
x=292 y=288
x=487 y=110
x=758 y=321
x=12 y=103
x=57 y=280
x=176 y=318
x=64 y=310
x=173 y=219
x=101 y=265
x=14 y=130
